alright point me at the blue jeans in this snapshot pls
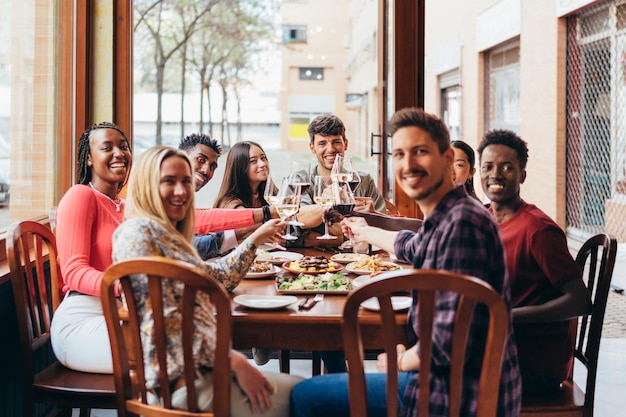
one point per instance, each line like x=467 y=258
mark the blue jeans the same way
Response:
x=327 y=395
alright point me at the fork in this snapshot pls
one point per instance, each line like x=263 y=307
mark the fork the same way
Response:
x=308 y=303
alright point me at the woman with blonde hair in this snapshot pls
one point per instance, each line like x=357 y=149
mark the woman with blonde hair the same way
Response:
x=160 y=221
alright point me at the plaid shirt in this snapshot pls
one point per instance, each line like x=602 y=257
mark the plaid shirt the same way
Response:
x=460 y=236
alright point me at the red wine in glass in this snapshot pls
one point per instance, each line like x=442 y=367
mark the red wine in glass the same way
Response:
x=353 y=184
x=344 y=209
x=304 y=186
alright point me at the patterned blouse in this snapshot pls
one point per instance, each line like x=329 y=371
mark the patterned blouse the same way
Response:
x=460 y=236
x=146 y=237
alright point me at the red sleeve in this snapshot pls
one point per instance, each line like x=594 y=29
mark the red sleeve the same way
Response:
x=549 y=248
x=218 y=220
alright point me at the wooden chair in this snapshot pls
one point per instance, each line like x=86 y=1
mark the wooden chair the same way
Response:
x=427 y=282
x=36 y=291
x=596 y=258
x=124 y=333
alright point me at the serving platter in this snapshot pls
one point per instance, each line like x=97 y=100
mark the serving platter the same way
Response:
x=328 y=283
x=335 y=268
x=346 y=258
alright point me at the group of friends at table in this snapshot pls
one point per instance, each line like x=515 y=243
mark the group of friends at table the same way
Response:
x=509 y=243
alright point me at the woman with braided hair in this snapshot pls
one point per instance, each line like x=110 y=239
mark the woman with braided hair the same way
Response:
x=87 y=216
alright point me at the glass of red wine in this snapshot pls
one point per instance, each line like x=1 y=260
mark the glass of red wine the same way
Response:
x=344 y=205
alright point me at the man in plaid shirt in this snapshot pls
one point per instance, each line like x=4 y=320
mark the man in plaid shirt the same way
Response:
x=457 y=235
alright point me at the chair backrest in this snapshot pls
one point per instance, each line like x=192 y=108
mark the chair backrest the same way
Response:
x=35 y=288
x=427 y=283
x=128 y=358
x=596 y=258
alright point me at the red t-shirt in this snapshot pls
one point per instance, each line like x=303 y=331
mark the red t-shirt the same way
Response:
x=539 y=262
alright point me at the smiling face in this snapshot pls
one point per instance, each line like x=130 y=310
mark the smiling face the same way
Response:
x=204 y=161
x=421 y=170
x=109 y=158
x=501 y=175
x=176 y=188
x=325 y=149
x=461 y=170
x=258 y=167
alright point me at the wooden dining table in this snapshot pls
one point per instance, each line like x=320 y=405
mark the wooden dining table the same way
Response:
x=315 y=329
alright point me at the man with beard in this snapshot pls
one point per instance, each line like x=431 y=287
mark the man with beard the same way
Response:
x=546 y=283
x=457 y=235
x=214 y=227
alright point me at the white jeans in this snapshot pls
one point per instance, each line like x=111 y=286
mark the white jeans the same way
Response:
x=79 y=335
x=239 y=406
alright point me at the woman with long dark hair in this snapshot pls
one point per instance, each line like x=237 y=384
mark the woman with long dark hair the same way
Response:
x=463 y=168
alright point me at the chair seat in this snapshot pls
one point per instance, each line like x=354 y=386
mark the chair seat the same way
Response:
x=56 y=382
x=568 y=401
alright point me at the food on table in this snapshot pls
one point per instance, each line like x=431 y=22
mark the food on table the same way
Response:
x=258 y=267
x=313 y=283
x=373 y=263
x=314 y=264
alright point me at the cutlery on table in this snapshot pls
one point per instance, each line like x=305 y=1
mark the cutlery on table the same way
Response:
x=308 y=303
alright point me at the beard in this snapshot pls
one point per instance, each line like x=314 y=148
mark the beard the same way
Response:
x=429 y=191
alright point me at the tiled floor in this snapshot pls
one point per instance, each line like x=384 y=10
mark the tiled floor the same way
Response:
x=610 y=387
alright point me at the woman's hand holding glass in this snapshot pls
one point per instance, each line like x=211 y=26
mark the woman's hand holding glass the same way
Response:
x=356 y=228
x=268 y=232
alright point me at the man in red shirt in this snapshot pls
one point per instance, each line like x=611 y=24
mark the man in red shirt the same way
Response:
x=546 y=283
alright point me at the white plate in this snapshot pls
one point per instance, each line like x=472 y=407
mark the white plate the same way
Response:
x=255 y=275
x=279 y=257
x=398 y=303
x=350 y=268
x=362 y=280
x=265 y=302
x=346 y=258
x=394 y=258
x=270 y=246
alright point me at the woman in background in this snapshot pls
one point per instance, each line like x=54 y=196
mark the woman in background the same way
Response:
x=463 y=168
x=160 y=221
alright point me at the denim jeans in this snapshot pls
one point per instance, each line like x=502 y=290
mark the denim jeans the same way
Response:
x=327 y=395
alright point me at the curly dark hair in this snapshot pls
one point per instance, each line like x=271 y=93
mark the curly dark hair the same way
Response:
x=416 y=117
x=326 y=125
x=190 y=141
x=506 y=138
x=84 y=171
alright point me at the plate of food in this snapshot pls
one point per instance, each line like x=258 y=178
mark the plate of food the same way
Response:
x=394 y=258
x=346 y=258
x=328 y=283
x=398 y=303
x=371 y=264
x=312 y=265
x=265 y=302
x=279 y=257
x=261 y=270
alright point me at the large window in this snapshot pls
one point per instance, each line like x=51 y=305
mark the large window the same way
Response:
x=503 y=88
x=28 y=120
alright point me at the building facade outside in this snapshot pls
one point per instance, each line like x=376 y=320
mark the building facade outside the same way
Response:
x=315 y=35
x=554 y=72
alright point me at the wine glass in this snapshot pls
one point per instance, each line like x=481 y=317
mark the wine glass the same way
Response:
x=344 y=205
x=272 y=189
x=356 y=178
x=300 y=177
x=323 y=195
x=341 y=172
x=287 y=205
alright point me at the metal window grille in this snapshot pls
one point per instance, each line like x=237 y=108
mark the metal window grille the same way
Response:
x=596 y=120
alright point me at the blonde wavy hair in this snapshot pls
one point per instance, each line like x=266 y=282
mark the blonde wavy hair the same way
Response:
x=143 y=198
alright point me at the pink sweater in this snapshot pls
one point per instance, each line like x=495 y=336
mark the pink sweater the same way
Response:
x=86 y=221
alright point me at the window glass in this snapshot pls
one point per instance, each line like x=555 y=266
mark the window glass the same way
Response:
x=27 y=116
x=503 y=88
x=294 y=33
x=311 y=74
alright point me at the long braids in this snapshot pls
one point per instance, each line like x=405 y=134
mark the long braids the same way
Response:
x=84 y=171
